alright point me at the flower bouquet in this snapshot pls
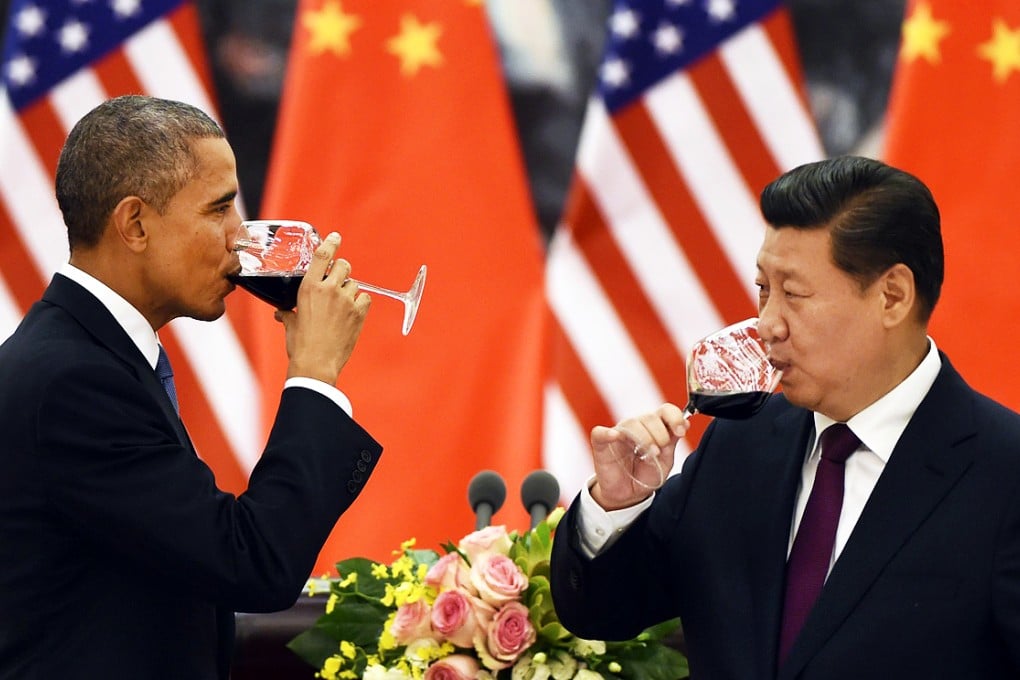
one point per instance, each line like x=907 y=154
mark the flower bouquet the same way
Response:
x=481 y=611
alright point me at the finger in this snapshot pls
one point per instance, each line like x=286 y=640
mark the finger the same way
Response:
x=320 y=263
x=675 y=419
x=605 y=435
x=340 y=273
x=635 y=432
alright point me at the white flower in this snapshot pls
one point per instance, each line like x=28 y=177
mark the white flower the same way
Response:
x=588 y=647
x=585 y=674
x=527 y=669
x=563 y=667
x=377 y=672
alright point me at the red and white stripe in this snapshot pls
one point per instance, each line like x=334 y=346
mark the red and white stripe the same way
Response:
x=220 y=394
x=658 y=244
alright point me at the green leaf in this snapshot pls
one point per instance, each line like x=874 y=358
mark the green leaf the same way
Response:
x=645 y=662
x=356 y=621
x=314 y=646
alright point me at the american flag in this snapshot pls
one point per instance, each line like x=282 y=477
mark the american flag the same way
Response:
x=699 y=104
x=61 y=58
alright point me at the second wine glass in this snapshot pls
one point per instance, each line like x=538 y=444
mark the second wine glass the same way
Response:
x=729 y=375
x=275 y=255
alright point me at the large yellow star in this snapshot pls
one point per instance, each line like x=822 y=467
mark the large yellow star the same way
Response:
x=416 y=45
x=922 y=34
x=330 y=28
x=1003 y=50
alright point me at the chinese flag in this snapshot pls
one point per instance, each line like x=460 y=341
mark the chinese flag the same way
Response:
x=395 y=130
x=953 y=121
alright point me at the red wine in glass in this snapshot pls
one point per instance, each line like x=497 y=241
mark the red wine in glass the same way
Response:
x=275 y=255
x=279 y=290
x=728 y=376
x=735 y=405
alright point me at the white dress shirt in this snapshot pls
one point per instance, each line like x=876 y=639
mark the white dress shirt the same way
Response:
x=879 y=427
x=142 y=335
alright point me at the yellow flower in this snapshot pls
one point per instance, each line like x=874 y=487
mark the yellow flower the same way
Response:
x=380 y=571
x=330 y=667
x=348 y=649
x=349 y=579
x=401 y=567
x=331 y=603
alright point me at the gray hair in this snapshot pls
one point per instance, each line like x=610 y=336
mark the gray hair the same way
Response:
x=128 y=146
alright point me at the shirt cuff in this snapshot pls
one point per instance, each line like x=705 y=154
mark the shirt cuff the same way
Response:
x=597 y=527
x=325 y=389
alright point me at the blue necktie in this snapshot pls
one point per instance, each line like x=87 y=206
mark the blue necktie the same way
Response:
x=166 y=376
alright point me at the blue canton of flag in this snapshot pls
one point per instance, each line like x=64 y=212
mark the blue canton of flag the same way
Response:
x=47 y=41
x=648 y=41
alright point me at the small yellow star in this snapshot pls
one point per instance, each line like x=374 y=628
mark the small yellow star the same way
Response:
x=415 y=46
x=330 y=28
x=1003 y=50
x=922 y=34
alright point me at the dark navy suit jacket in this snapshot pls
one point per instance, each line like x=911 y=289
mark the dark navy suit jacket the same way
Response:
x=928 y=585
x=119 y=557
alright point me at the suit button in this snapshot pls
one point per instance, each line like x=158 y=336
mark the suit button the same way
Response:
x=362 y=465
x=352 y=487
x=366 y=456
x=356 y=476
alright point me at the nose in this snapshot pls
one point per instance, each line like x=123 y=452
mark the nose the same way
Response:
x=771 y=326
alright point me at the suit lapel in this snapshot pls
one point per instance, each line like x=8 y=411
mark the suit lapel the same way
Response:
x=780 y=458
x=924 y=466
x=97 y=320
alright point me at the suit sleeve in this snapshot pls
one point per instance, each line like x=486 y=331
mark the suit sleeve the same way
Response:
x=632 y=584
x=115 y=471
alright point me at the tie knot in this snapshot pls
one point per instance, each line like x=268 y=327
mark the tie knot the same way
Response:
x=838 y=442
x=163 y=369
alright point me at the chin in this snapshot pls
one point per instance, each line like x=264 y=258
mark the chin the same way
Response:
x=210 y=312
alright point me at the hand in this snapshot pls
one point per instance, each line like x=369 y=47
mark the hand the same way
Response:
x=628 y=458
x=326 y=324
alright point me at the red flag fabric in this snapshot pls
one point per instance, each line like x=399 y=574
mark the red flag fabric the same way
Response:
x=699 y=105
x=952 y=122
x=395 y=131
x=60 y=60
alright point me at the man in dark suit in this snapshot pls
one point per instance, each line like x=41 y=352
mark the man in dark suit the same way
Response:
x=921 y=568
x=120 y=557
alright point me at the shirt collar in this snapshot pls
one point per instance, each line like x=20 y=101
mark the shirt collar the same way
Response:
x=129 y=318
x=880 y=425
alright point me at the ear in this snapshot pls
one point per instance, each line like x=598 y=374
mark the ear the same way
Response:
x=898 y=294
x=128 y=220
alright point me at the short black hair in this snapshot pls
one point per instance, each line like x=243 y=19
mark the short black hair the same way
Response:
x=877 y=216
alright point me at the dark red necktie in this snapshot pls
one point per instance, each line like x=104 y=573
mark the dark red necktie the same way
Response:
x=812 y=548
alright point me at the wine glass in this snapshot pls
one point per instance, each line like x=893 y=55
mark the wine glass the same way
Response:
x=728 y=376
x=275 y=255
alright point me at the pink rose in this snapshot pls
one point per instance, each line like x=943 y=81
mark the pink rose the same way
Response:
x=453 y=667
x=449 y=572
x=456 y=616
x=412 y=623
x=497 y=579
x=489 y=539
x=510 y=633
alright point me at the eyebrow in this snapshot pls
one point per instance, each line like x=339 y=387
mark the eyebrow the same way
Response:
x=225 y=198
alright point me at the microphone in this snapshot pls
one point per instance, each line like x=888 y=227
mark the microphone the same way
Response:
x=486 y=493
x=539 y=492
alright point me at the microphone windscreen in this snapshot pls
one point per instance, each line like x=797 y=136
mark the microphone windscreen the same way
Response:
x=541 y=488
x=487 y=487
